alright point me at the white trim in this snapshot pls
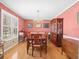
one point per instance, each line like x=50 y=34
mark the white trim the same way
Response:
x=66 y=9
x=10 y=47
x=74 y=38
x=7 y=6
x=13 y=10
x=17 y=27
x=1 y=24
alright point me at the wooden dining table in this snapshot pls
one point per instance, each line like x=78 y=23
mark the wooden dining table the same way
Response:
x=38 y=38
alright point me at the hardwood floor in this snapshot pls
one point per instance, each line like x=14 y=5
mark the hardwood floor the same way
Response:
x=20 y=52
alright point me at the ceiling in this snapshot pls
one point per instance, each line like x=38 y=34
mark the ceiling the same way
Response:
x=42 y=9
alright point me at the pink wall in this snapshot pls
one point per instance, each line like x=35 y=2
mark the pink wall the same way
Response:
x=36 y=29
x=2 y=6
x=71 y=28
x=20 y=24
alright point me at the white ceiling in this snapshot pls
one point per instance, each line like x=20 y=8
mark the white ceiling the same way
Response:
x=47 y=8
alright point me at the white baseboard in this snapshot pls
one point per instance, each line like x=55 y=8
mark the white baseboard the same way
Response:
x=66 y=36
x=10 y=47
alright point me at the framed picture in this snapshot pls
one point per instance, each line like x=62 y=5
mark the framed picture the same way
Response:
x=46 y=25
x=38 y=25
x=77 y=17
x=29 y=25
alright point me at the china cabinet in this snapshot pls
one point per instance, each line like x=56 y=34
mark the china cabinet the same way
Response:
x=57 y=31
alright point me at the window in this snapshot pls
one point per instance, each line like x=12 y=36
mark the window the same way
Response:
x=9 y=26
x=14 y=25
x=6 y=26
x=38 y=25
x=46 y=25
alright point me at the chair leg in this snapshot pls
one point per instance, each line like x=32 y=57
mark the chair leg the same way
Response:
x=27 y=48
x=46 y=48
x=62 y=51
x=32 y=51
x=40 y=51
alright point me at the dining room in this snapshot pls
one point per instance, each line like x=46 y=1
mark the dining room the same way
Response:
x=39 y=29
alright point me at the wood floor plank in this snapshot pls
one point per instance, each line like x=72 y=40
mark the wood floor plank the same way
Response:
x=19 y=52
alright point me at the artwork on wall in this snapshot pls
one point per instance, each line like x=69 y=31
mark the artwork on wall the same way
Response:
x=38 y=25
x=78 y=18
x=46 y=25
x=29 y=25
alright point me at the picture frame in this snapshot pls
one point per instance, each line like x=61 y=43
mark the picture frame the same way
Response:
x=38 y=25
x=29 y=25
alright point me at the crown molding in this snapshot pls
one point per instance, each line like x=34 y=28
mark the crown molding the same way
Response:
x=13 y=10
x=66 y=9
x=7 y=5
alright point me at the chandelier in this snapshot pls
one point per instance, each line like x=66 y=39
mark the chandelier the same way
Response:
x=37 y=18
x=37 y=21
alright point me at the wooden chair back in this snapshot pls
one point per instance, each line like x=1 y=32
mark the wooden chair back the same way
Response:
x=36 y=39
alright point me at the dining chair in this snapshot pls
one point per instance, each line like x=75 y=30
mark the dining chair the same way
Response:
x=44 y=43
x=36 y=43
x=29 y=42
